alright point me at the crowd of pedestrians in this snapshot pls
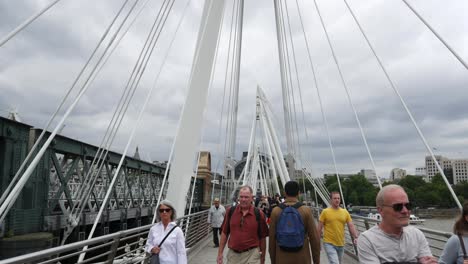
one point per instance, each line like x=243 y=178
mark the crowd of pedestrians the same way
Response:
x=295 y=236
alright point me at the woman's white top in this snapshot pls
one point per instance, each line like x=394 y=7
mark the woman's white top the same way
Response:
x=173 y=249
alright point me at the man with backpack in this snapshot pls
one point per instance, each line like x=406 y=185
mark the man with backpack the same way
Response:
x=244 y=230
x=293 y=231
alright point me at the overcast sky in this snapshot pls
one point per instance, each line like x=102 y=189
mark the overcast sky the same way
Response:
x=39 y=65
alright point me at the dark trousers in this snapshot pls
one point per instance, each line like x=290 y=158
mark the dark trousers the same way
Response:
x=216 y=231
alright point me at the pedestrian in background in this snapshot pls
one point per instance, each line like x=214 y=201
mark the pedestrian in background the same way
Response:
x=333 y=220
x=456 y=248
x=215 y=219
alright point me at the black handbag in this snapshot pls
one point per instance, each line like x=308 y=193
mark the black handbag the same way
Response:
x=155 y=257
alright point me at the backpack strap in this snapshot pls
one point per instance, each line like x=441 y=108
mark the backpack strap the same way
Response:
x=462 y=246
x=257 y=216
x=231 y=210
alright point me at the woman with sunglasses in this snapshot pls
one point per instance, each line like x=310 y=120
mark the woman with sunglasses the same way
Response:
x=172 y=250
x=457 y=245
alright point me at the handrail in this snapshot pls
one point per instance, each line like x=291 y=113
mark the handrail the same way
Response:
x=123 y=244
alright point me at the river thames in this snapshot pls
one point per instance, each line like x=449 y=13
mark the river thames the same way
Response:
x=441 y=224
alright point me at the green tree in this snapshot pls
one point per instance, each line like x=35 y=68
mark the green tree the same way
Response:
x=411 y=182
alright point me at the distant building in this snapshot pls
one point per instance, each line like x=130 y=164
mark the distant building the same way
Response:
x=367 y=173
x=456 y=170
x=298 y=175
x=420 y=171
x=343 y=176
x=460 y=170
x=397 y=174
x=370 y=175
x=431 y=168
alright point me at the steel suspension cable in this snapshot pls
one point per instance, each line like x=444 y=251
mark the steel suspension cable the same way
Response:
x=22 y=181
x=324 y=117
x=75 y=215
x=300 y=158
x=228 y=112
x=290 y=92
x=126 y=98
x=410 y=115
x=93 y=174
x=64 y=99
x=284 y=83
x=26 y=23
x=105 y=143
x=454 y=53
x=293 y=50
x=288 y=77
x=136 y=125
x=364 y=139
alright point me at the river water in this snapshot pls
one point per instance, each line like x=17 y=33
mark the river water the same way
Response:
x=440 y=224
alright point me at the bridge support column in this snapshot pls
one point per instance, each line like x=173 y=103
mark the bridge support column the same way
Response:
x=188 y=136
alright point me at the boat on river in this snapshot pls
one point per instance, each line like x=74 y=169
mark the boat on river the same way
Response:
x=413 y=220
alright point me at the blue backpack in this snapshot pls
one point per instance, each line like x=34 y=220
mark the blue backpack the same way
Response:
x=290 y=231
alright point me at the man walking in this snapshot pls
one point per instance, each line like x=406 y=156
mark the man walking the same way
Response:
x=215 y=218
x=280 y=253
x=244 y=229
x=333 y=220
x=393 y=241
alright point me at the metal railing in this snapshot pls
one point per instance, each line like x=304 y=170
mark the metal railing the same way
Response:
x=122 y=247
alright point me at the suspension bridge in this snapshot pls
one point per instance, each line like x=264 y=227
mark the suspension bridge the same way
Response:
x=69 y=200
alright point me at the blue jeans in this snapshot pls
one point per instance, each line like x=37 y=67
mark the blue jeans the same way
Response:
x=334 y=253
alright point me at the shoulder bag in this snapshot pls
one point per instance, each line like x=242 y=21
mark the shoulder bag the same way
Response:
x=462 y=244
x=155 y=257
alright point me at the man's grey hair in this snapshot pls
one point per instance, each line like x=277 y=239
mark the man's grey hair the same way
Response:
x=247 y=187
x=379 y=199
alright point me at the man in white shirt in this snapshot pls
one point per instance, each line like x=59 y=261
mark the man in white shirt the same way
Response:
x=393 y=241
x=215 y=218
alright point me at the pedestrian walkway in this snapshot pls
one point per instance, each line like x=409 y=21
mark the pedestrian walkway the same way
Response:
x=207 y=255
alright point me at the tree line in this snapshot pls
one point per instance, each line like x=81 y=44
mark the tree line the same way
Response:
x=357 y=190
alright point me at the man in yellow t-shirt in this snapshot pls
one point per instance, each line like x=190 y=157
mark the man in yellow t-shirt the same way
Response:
x=333 y=220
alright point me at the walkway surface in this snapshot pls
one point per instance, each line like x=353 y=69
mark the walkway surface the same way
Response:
x=207 y=255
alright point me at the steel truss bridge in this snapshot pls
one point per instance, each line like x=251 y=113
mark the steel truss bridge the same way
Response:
x=44 y=204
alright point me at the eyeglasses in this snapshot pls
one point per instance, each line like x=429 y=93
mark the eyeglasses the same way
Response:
x=399 y=206
x=165 y=210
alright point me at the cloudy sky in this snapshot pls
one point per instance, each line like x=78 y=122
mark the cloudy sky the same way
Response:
x=39 y=65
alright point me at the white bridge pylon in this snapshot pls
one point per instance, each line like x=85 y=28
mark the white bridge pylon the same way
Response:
x=254 y=166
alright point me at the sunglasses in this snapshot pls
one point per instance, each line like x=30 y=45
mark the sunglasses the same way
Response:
x=399 y=206
x=165 y=210
x=242 y=221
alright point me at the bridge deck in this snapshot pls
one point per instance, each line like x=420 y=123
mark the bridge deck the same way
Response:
x=206 y=254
